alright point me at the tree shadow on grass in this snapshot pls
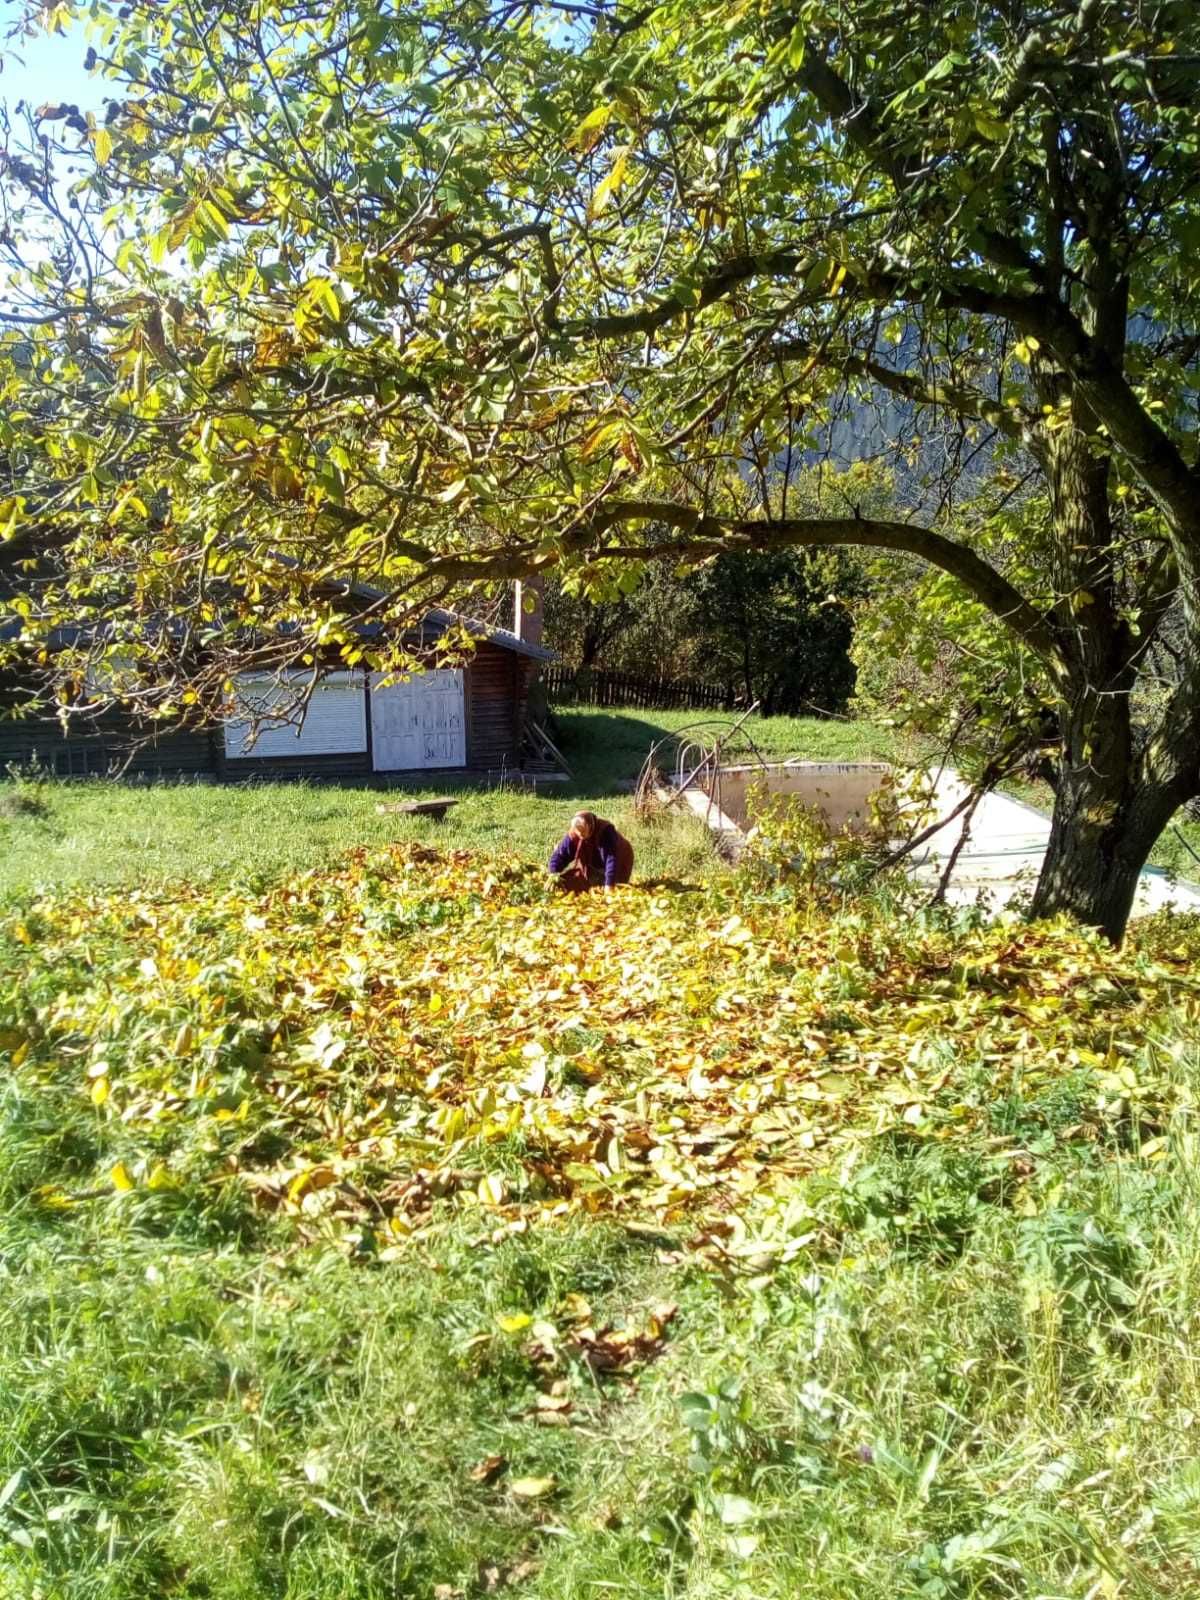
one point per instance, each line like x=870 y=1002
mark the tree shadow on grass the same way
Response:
x=605 y=751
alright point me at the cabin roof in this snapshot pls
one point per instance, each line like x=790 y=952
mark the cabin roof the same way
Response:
x=433 y=626
x=438 y=619
x=504 y=637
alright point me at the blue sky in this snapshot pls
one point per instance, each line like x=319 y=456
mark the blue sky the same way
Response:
x=50 y=67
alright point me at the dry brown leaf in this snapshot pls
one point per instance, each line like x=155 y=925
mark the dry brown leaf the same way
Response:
x=487 y=1470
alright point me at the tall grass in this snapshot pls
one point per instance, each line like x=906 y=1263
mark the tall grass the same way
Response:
x=957 y=1369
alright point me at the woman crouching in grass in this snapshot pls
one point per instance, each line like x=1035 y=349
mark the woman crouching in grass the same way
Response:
x=590 y=853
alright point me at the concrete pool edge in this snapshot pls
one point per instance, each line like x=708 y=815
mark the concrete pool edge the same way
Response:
x=1004 y=852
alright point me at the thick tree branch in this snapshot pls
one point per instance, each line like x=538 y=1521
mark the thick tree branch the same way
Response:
x=922 y=391
x=702 y=534
x=1096 y=378
x=722 y=281
x=1155 y=457
x=1100 y=380
x=963 y=402
x=978 y=293
x=862 y=129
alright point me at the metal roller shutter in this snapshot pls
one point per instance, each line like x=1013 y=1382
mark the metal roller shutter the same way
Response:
x=335 y=721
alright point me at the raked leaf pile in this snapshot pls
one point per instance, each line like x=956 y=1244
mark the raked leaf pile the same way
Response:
x=415 y=1030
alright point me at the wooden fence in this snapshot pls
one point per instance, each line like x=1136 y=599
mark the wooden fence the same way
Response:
x=569 y=686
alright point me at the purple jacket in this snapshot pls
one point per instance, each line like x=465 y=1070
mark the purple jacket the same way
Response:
x=607 y=845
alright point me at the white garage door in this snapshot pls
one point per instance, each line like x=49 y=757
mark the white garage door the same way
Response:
x=335 y=720
x=419 y=722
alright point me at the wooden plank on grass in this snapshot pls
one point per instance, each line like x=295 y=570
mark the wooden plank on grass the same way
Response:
x=419 y=808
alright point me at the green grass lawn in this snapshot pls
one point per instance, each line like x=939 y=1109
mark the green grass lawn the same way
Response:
x=101 y=832
x=847 y=1256
x=841 y=1256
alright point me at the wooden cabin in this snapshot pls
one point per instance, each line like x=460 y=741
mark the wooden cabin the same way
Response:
x=466 y=722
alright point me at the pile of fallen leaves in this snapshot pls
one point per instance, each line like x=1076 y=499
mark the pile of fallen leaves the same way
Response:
x=367 y=1046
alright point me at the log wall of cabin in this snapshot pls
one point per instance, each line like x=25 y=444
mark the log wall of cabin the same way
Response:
x=494 y=689
x=496 y=685
x=102 y=747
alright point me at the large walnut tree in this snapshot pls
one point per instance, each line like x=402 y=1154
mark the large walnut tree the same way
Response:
x=442 y=294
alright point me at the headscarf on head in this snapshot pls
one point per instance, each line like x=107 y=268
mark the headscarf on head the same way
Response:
x=585 y=844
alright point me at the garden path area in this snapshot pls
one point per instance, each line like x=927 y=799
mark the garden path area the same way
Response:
x=1005 y=850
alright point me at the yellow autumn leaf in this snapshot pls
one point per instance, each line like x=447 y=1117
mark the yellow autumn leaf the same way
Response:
x=321 y=292
x=606 y=433
x=310 y=1180
x=588 y=132
x=533 y=1488
x=122 y=1180
x=608 y=185
x=573 y=1046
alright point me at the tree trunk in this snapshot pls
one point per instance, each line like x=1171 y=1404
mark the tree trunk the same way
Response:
x=1106 y=815
x=1115 y=795
x=1101 y=836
